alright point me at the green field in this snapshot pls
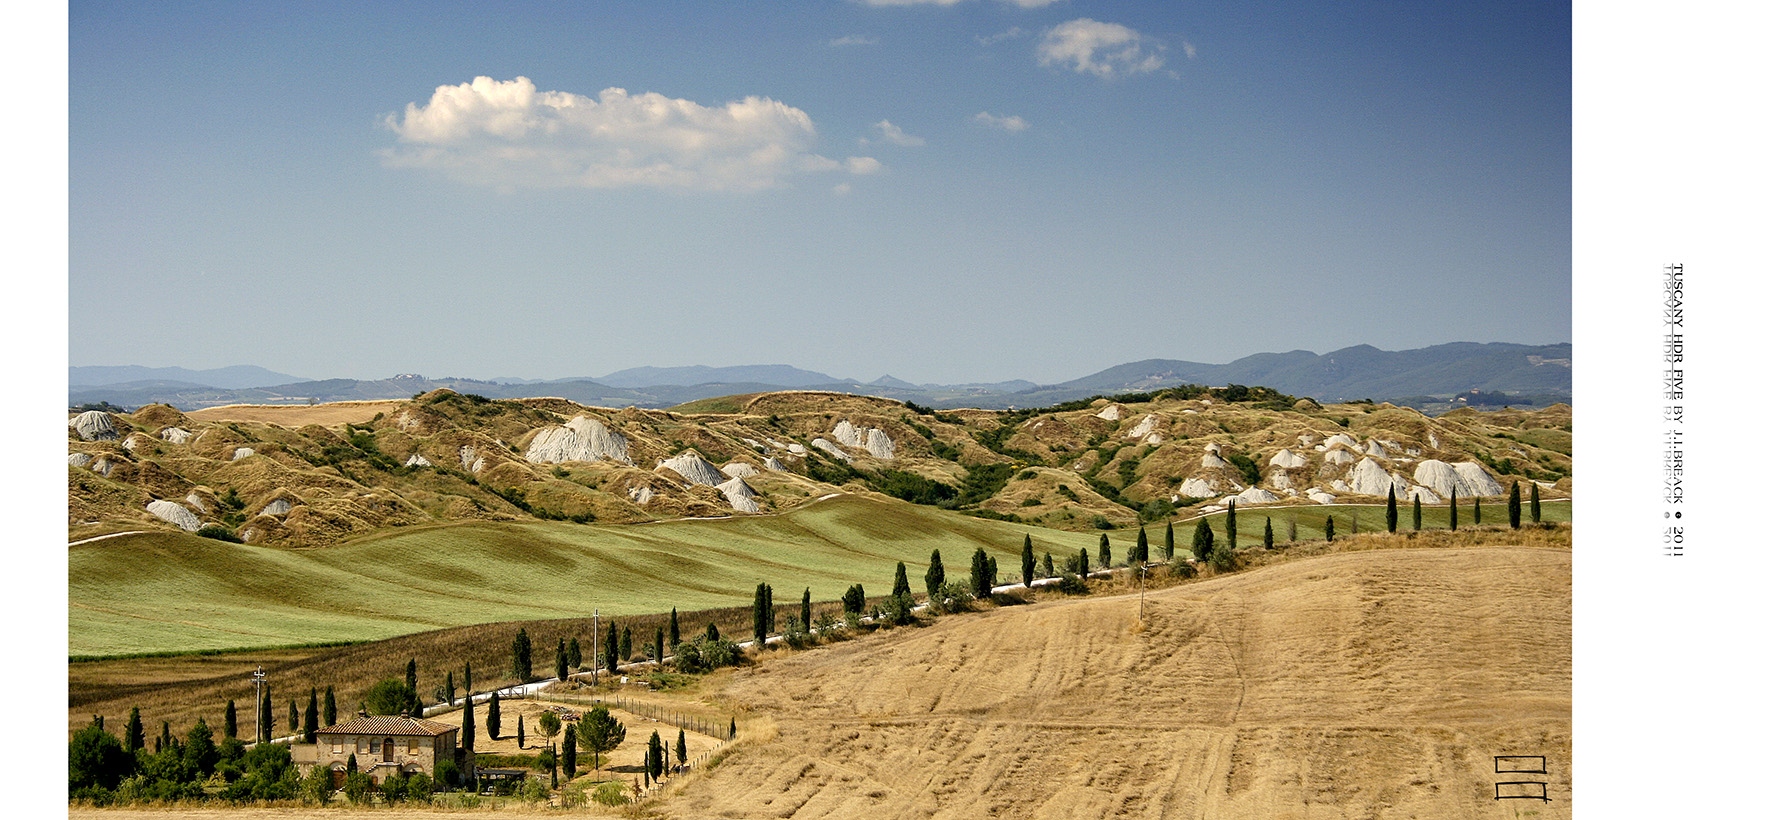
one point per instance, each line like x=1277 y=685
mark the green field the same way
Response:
x=169 y=592
x=163 y=592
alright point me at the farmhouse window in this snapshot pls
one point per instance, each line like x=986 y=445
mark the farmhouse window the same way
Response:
x=363 y=745
x=338 y=746
x=413 y=745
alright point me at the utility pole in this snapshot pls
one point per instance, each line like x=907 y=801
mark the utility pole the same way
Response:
x=1141 y=606
x=258 y=698
x=595 y=647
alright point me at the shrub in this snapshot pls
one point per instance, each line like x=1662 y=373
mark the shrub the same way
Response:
x=218 y=532
x=1071 y=584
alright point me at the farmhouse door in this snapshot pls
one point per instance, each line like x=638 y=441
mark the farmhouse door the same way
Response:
x=339 y=779
x=388 y=750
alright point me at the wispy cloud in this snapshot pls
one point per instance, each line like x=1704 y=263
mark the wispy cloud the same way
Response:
x=1008 y=34
x=1101 y=49
x=852 y=40
x=1013 y=123
x=509 y=135
x=892 y=134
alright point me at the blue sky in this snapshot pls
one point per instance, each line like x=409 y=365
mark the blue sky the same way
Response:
x=966 y=192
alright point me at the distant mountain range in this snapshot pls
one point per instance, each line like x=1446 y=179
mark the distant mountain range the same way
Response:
x=1426 y=378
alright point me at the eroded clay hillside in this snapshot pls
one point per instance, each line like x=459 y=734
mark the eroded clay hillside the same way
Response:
x=444 y=457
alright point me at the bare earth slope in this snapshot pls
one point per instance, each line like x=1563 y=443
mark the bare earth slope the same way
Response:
x=1372 y=684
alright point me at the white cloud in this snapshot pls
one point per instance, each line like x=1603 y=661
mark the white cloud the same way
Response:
x=1008 y=34
x=842 y=189
x=1100 y=49
x=891 y=133
x=862 y=165
x=1012 y=123
x=509 y=135
x=852 y=40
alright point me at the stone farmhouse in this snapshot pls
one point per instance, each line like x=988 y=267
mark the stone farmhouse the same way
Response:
x=385 y=746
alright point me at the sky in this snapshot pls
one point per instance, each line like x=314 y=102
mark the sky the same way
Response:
x=943 y=192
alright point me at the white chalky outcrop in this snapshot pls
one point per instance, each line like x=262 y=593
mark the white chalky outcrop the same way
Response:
x=739 y=469
x=278 y=506
x=94 y=425
x=1374 y=448
x=740 y=496
x=1319 y=496
x=1466 y=480
x=1340 y=457
x=1371 y=478
x=103 y=465
x=774 y=465
x=1288 y=460
x=471 y=462
x=1146 y=427
x=641 y=495
x=1111 y=412
x=831 y=449
x=241 y=452
x=582 y=439
x=848 y=434
x=879 y=444
x=1281 y=480
x=1334 y=440
x=1212 y=461
x=694 y=469
x=1252 y=495
x=176 y=514
x=79 y=459
x=197 y=502
x=175 y=435
x=1197 y=488
x=417 y=460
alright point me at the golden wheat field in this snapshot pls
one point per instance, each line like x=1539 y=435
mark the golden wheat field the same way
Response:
x=1376 y=684
x=1370 y=684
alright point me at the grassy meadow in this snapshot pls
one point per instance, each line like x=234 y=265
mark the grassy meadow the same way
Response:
x=168 y=592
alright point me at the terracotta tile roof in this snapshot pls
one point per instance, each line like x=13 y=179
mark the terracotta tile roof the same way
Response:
x=388 y=725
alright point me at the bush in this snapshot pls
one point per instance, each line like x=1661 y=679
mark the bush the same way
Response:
x=218 y=532
x=419 y=788
x=1223 y=559
x=1071 y=584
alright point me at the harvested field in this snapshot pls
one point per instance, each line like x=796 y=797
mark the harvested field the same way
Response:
x=297 y=415
x=1367 y=684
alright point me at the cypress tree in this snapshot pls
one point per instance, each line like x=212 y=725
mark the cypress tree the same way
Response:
x=901 y=585
x=1166 y=548
x=133 y=737
x=1048 y=565
x=672 y=628
x=311 y=717
x=679 y=748
x=450 y=688
x=1513 y=507
x=659 y=645
x=710 y=633
x=610 y=651
x=413 y=678
x=993 y=574
x=329 y=710
x=1141 y=545
x=574 y=657
x=561 y=659
x=1452 y=510
x=934 y=576
x=265 y=724
x=978 y=580
x=1393 y=517
x=521 y=731
x=1536 y=505
x=760 y=605
x=521 y=656
x=295 y=717
x=1027 y=563
x=1268 y=541
x=493 y=715
x=731 y=731
x=625 y=647
x=568 y=752
x=1203 y=539
x=1417 y=520
x=1085 y=566
x=1477 y=510
x=807 y=610
x=1290 y=531
x=165 y=741
x=657 y=756
x=1329 y=528
x=1231 y=530
x=468 y=713
x=230 y=727
x=1104 y=551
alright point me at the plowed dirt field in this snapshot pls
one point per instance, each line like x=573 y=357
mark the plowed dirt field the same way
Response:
x=1358 y=685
